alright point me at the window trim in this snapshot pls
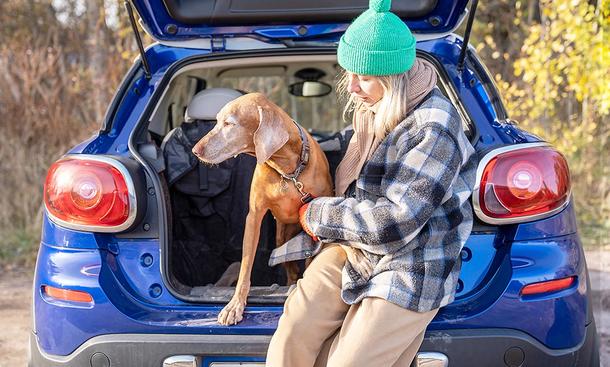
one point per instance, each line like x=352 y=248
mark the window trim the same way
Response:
x=135 y=73
x=488 y=84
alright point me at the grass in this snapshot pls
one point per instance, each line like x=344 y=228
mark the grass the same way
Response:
x=593 y=235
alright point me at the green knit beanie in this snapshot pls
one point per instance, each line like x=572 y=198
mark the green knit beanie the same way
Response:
x=377 y=43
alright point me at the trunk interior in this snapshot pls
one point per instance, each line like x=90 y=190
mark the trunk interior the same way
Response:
x=208 y=204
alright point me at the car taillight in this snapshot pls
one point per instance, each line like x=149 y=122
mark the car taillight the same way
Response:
x=521 y=183
x=90 y=193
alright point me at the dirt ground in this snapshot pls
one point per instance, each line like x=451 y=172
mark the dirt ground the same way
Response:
x=15 y=298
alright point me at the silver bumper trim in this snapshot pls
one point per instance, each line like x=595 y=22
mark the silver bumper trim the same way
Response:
x=180 y=361
x=431 y=359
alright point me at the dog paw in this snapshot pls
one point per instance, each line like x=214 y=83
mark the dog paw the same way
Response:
x=232 y=313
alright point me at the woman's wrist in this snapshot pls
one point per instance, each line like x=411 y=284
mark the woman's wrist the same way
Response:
x=303 y=221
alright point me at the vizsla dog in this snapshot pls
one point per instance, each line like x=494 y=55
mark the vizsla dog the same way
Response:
x=291 y=168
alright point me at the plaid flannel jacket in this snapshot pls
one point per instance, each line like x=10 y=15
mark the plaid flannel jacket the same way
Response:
x=410 y=212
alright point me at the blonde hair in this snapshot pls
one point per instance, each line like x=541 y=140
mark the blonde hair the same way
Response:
x=392 y=108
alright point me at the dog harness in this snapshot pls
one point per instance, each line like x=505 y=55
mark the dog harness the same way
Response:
x=303 y=160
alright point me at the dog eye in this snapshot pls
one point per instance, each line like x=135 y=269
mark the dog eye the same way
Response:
x=230 y=120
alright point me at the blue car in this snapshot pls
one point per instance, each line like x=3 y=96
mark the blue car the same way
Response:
x=140 y=240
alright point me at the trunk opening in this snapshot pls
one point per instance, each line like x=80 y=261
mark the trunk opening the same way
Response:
x=207 y=205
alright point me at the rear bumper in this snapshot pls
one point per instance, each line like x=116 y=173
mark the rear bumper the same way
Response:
x=149 y=349
x=482 y=347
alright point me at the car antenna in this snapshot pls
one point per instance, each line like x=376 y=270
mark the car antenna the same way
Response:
x=134 y=27
x=473 y=9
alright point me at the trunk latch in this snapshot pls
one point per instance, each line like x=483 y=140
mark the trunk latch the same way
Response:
x=218 y=44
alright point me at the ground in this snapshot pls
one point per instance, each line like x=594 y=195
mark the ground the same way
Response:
x=598 y=262
x=15 y=298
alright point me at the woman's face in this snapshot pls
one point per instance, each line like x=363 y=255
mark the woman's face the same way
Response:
x=365 y=88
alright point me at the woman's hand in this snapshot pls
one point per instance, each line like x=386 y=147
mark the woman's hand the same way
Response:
x=359 y=262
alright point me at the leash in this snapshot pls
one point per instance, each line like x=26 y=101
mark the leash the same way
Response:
x=303 y=160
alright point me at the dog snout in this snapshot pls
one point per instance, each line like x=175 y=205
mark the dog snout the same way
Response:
x=209 y=150
x=199 y=149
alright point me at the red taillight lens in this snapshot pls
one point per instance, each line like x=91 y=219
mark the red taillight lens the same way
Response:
x=87 y=194
x=523 y=184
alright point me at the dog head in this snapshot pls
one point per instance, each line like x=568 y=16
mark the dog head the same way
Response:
x=249 y=124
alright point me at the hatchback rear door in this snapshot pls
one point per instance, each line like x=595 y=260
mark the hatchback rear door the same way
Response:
x=173 y=22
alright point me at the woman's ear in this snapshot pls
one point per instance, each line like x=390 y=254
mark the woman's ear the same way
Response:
x=270 y=135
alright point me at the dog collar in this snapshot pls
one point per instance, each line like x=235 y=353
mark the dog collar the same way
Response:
x=303 y=160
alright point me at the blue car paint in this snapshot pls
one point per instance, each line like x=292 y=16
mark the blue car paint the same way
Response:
x=555 y=226
x=129 y=295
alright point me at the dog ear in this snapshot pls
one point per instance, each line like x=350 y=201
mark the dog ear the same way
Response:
x=270 y=135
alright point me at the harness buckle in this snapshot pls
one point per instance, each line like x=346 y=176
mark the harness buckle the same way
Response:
x=299 y=186
x=306 y=198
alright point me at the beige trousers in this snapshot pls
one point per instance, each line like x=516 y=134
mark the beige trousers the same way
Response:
x=318 y=329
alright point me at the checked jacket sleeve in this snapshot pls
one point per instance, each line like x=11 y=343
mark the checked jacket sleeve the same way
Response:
x=415 y=184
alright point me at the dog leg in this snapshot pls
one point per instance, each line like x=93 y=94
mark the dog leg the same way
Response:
x=233 y=312
x=284 y=232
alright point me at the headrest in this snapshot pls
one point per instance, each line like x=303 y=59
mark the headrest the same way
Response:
x=206 y=104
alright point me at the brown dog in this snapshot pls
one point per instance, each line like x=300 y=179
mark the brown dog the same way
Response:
x=254 y=125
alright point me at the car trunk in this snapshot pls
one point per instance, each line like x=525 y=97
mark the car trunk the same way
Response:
x=207 y=206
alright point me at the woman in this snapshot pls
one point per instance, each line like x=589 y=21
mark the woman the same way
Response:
x=387 y=248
